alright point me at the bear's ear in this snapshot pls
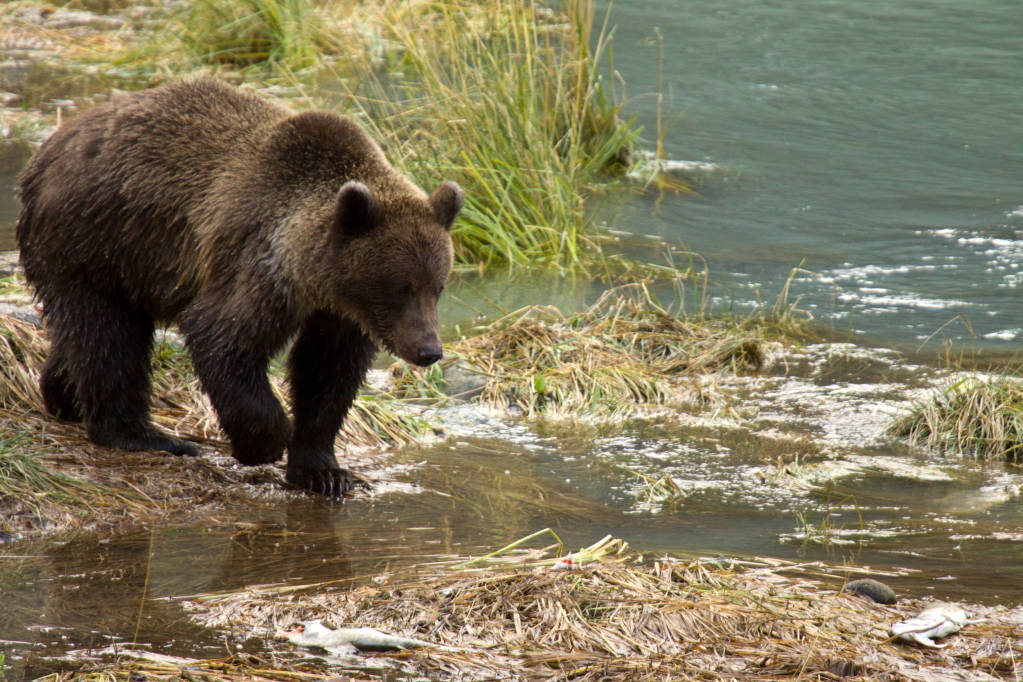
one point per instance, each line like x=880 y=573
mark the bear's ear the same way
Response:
x=446 y=202
x=354 y=209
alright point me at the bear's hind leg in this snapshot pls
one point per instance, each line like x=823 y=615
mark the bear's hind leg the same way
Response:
x=57 y=390
x=102 y=343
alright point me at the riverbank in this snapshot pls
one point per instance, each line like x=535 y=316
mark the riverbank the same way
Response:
x=763 y=618
x=601 y=613
x=623 y=358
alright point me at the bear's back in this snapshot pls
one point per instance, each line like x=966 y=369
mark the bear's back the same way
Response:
x=114 y=194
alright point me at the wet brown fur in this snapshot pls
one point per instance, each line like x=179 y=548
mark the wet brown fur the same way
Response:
x=246 y=224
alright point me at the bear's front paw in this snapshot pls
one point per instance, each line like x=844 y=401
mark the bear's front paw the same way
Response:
x=332 y=482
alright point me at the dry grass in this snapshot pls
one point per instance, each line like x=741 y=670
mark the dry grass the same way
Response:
x=978 y=417
x=52 y=478
x=179 y=404
x=615 y=617
x=623 y=356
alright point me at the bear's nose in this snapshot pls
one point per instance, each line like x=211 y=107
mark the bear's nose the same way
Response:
x=429 y=355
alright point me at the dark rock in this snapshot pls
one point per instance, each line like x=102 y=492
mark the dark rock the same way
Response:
x=872 y=589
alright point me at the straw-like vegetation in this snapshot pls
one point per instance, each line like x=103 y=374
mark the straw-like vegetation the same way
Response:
x=50 y=475
x=289 y=33
x=31 y=489
x=624 y=355
x=979 y=417
x=600 y=614
x=181 y=406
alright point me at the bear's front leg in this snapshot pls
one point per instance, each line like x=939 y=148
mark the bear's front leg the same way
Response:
x=328 y=364
x=233 y=373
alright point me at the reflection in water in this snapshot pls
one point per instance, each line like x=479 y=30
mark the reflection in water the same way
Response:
x=94 y=591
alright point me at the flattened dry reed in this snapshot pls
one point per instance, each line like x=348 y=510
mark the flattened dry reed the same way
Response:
x=622 y=356
x=619 y=619
x=29 y=487
x=21 y=357
x=179 y=404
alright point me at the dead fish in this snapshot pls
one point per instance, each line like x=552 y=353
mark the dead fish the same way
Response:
x=934 y=622
x=565 y=563
x=348 y=641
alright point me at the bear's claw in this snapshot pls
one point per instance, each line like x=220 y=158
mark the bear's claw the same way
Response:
x=151 y=440
x=332 y=483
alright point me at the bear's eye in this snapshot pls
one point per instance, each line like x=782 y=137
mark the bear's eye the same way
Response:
x=406 y=289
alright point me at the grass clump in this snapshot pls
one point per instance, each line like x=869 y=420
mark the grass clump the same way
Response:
x=974 y=416
x=506 y=99
x=105 y=485
x=624 y=355
x=179 y=404
x=24 y=476
x=287 y=33
x=182 y=407
x=30 y=488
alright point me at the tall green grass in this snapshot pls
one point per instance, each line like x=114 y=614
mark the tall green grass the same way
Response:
x=508 y=100
x=246 y=32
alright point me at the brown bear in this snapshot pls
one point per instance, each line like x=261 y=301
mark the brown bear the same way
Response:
x=248 y=225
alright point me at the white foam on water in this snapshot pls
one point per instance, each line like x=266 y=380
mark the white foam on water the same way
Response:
x=891 y=303
x=1005 y=334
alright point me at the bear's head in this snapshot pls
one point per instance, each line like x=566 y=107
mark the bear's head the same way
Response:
x=395 y=253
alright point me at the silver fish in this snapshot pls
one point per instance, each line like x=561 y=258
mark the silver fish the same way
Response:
x=934 y=622
x=348 y=641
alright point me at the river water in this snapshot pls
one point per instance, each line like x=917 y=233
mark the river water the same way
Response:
x=880 y=143
x=877 y=143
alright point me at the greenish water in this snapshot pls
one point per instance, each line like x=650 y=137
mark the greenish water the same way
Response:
x=880 y=140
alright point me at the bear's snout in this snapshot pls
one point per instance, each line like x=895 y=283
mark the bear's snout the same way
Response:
x=428 y=354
